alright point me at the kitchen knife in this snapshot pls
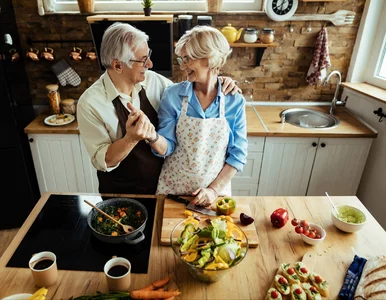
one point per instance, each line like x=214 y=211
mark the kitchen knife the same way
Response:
x=191 y=206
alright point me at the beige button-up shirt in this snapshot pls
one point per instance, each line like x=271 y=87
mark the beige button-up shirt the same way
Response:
x=97 y=118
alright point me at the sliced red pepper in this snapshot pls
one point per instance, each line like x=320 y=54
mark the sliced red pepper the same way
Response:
x=279 y=217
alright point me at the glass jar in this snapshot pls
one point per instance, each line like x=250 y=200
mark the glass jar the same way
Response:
x=53 y=98
x=204 y=20
x=267 y=35
x=250 y=35
x=185 y=23
x=68 y=106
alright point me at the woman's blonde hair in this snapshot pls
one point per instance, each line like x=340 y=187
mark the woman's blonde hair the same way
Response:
x=205 y=42
x=120 y=41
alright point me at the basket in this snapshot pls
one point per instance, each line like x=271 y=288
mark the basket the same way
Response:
x=86 y=6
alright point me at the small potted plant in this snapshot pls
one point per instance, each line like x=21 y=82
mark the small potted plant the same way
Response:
x=147 y=4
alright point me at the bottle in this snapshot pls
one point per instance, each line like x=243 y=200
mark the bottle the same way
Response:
x=250 y=35
x=267 y=35
x=53 y=98
x=185 y=23
x=68 y=106
x=204 y=20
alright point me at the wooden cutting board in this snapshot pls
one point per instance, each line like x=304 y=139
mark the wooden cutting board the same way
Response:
x=173 y=213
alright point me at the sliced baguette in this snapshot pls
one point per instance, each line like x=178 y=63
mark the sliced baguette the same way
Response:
x=372 y=284
x=283 y=288
x=290 y=273
x=320 y=284
x=270 y=296
x=311 y=291
x=297 y=293
x=302 y=271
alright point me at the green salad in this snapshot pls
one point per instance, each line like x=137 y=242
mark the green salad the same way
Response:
x=215 y=247
x=350 y=214
x=126 y=215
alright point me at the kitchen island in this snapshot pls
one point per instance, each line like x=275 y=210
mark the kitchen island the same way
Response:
x=249 y=280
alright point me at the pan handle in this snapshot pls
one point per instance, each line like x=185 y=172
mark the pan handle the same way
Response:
x=140 y=238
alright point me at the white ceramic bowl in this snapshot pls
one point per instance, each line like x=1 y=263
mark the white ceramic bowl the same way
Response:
x=350 y=213
x=311 y=241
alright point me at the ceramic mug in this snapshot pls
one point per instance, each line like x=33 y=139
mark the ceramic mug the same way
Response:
x=118 y=274
x=91 y=55
x=44 y=269
x=48 y=54
x=15 y=57
x=33 y=54
x=76 y=53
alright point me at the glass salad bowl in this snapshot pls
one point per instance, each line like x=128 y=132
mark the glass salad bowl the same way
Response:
x=209 y=250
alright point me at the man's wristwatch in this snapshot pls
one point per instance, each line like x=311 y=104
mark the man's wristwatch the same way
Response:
x=153 y=140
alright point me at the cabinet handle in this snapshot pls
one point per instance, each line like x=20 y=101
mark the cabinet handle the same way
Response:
x=31 y=140
x=323 y=145
x=314 y=144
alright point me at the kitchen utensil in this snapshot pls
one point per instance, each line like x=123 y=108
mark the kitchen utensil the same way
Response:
x=231 y=33
x=131 y=238
x=191 y=206
x=329 y=198
x=339 y=18
x=173 y=213
x=76 y=53
x=126 y=228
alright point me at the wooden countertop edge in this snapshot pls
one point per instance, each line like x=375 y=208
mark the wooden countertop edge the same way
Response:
x=367 y=90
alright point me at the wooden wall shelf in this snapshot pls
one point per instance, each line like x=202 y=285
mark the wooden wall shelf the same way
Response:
x=260 y=48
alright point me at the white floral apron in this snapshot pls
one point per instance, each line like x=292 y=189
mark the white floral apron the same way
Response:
x=199 y=155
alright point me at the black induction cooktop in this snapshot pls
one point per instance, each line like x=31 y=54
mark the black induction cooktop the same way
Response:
x=61 y=227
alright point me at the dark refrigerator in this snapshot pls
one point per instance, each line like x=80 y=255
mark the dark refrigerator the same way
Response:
x=18 y=184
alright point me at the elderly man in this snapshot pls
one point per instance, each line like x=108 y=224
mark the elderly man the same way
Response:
x=117 y=115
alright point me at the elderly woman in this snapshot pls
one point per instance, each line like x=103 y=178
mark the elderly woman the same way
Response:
x=203 y=131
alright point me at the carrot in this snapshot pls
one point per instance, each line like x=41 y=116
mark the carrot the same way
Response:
x=140 y=294
x=155 y=285
x=170 y=298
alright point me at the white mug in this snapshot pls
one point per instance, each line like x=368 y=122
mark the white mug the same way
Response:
x=118 y=274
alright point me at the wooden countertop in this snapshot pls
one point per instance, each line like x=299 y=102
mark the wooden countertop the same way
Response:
x=261 y=121
x=250 y=279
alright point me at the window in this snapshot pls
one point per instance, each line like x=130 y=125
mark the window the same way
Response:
x=159 y=5
x=376 y=69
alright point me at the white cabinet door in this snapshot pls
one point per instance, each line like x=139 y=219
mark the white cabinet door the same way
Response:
x=90 y=173
x=287 y=165
x=338 y=166
x=245 y=183
x=58 y=162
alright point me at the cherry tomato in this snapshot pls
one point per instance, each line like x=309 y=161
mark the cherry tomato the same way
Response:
x=298 y=291
x=318 y=279
x=313 y=289
x=290 y=271
x=282 y=280
x=312 y=235
x=274 y=294
x=306 y=232
x=318 y=236
x=304 y=270
x=295 y=222
x=299 y=229
x=303 y=223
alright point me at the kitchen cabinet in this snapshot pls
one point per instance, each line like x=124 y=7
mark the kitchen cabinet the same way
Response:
x=245 y=183
x=62 y=164
x=312 y=166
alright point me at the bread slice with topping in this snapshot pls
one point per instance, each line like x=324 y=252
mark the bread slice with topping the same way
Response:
x=297 y=293
x=302 y=271
x=273 y=294
x=290 y=273
x=320 y=284
x=282 y=284
x=311 y=291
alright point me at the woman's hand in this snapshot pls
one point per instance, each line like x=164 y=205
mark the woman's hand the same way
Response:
x=229 y=85
x=138 y=125
x=204 y=196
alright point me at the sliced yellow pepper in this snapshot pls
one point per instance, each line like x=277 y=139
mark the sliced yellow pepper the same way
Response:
x=191 y=255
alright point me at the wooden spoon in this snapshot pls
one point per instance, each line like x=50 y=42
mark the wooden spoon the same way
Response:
x=126 y=228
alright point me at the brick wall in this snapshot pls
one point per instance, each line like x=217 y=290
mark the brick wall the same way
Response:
x=280 y=76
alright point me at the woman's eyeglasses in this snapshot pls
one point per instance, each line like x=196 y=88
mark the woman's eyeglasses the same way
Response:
x=144 y=62
x=184 y=60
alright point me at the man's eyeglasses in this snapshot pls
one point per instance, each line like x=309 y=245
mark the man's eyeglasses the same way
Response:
x=143 y=61
x=183 y=60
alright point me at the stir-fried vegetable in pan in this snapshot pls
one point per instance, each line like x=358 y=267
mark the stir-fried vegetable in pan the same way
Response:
x=126 y=215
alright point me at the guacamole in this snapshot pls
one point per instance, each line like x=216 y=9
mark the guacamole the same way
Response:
x=350 y=214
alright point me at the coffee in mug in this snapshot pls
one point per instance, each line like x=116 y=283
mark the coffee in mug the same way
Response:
x=44 y=269
x=118 y=274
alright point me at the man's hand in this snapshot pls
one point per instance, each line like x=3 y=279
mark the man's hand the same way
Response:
x=138 y=126
x=229 y=85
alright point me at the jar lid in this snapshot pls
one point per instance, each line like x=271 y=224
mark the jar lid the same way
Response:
x=268 y=30
x=250 y=30
x=185 y=17
x=52 y=87
x=204 y=17
x=68 y=101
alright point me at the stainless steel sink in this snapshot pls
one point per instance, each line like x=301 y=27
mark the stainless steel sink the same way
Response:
x=309 y=118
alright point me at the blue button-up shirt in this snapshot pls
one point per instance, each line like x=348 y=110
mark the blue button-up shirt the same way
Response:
x=170 y=110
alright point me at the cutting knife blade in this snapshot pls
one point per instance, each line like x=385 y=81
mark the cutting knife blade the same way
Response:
x=191 y=206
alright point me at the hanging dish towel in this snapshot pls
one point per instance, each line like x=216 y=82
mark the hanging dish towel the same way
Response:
x=321 y=61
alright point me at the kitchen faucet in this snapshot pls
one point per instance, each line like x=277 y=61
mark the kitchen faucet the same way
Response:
x=335 y=101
